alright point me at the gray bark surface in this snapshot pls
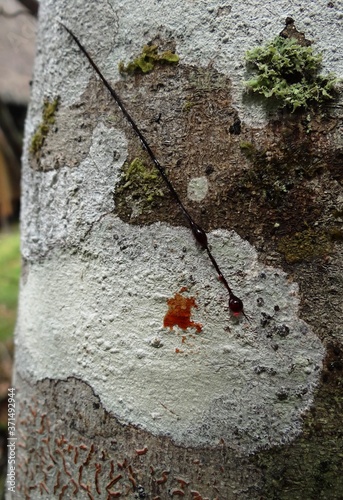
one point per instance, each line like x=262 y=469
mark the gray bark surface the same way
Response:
x=116 y=397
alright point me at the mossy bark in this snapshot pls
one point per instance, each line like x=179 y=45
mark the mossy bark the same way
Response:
x=278 y=185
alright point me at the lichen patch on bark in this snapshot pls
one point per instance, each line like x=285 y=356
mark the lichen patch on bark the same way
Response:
x=255 y=379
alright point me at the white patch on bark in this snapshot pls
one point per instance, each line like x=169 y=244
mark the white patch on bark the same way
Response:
x=101 y=316
x=96 y=289
x=60 y=206
x=205 y=34
x=100 y=311
x=197 y=188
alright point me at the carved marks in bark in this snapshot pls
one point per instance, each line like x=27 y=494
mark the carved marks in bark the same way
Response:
x=70 y=447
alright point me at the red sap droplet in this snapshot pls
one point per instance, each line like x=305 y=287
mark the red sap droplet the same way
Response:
x=179 y=313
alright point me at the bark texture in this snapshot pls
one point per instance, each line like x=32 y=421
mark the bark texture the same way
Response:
x=133 y=380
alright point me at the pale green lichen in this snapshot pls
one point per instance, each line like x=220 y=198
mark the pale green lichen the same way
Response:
x=288 y=72
x=48 y=119
x=147 y=60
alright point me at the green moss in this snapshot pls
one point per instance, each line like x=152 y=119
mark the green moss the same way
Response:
x=305 y=245
x=288 y=73
x=48 y=119
x=140 y=182
x=147 y=60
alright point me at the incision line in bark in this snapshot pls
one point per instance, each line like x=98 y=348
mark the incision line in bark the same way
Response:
x=235 y=303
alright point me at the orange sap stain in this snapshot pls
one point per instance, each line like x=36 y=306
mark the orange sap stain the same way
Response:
x=179 y=313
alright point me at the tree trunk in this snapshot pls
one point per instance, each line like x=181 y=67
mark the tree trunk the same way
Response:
x=133 y=379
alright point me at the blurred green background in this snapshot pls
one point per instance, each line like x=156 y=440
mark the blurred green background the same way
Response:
x=9 y=284
x=9 y=278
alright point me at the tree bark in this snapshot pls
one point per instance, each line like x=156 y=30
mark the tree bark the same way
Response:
x=133 y=380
